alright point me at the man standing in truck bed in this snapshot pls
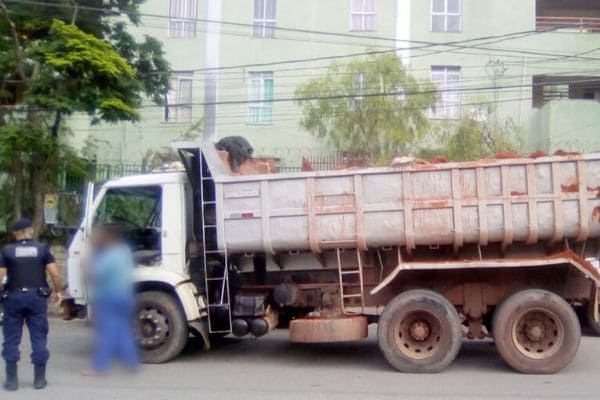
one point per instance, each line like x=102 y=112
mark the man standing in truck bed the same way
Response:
x=25 y=263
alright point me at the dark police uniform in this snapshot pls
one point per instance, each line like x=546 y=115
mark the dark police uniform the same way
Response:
x=25 y=262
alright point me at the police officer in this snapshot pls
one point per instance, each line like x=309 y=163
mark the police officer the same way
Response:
x=25 y=263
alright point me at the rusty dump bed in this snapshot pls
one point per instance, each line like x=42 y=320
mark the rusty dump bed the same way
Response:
x=506 y=201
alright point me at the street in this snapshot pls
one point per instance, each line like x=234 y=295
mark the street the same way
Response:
x=273 y=368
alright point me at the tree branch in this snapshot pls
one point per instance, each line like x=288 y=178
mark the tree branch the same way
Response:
x=56 y=125
x=75 y=11
x=15 y=36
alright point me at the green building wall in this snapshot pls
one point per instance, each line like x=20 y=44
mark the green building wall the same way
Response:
x=405 y=23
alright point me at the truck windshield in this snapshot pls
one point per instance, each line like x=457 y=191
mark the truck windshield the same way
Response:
x=138 y=211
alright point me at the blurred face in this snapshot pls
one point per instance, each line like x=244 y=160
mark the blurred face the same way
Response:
x=103 y=238
x=23 y=234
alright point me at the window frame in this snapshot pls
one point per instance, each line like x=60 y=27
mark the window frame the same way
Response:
x=262 y=105
x=446 y=14
x=183 y=32
x=266 y=32
x=153 y=218
x=363 y=14
x=179 y=76
x=442 y=104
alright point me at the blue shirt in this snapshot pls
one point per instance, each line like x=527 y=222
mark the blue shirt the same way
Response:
x=112 y=272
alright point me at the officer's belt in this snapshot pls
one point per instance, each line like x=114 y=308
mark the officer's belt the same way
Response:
x=26 y=289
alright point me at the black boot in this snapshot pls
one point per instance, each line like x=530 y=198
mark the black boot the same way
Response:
x=11 y=382
x=39 y=372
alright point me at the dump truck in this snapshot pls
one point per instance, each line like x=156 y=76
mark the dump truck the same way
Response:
x=432 y=253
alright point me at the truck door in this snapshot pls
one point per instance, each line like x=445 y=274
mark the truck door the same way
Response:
x=78 y=249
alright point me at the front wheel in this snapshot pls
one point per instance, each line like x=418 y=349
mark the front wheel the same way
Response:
x=419 y=332
x=536 y=332
x=160 y=327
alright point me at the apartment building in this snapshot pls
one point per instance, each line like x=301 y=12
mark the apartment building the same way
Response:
x=237 y=64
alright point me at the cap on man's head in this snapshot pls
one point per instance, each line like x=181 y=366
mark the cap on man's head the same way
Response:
x=20 y=224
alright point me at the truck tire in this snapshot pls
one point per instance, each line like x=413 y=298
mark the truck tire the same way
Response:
x=160 y=326
x=536 y=332
x=594 y=325
x=419 y=332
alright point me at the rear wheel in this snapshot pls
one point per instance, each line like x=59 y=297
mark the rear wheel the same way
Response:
x=160 y=326
x=536 y=332
x=419 y=332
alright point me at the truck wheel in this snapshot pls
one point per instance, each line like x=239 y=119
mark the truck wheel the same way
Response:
x=419 y=332
x=595 y=325
x=160 y=326
x=536 y=332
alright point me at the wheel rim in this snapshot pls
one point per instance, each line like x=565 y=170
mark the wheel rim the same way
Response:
x=152 y=328
x=538 y=333
x=418 y=334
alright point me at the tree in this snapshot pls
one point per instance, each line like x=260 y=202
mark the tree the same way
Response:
x=59 y=58
x=158 y=158
x=472 y=136
x=369 y=107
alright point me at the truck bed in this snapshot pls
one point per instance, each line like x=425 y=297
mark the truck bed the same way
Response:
x=503 y=201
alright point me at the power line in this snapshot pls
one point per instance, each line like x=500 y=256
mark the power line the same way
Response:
x=507 y=36
x=219 y=22
x=384 y=94
x=423 y=44
x=172 y=125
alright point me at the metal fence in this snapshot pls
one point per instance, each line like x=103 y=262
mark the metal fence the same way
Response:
x=288 y=159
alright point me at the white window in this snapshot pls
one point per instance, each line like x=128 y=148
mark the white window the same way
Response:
x=264 y=18
x=447 y=82
x=182 y=18
x=178 y=105
x=445 y=16
x=260 y=95
x=362 y=15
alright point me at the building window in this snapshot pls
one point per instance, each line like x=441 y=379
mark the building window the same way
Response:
x=264 y=18
x=547 y=88
x=182 y=18
x=178 y=104
x=362 y=15
x=445 y=16
x=260 y=95
x=447 y=82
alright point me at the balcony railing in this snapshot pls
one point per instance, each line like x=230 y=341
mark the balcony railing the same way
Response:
x=580 y=24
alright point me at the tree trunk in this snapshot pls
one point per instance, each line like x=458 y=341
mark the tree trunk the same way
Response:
x=19 y=181
x=37 y=197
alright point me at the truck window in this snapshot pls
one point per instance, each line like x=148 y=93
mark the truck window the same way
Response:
x=138 y=211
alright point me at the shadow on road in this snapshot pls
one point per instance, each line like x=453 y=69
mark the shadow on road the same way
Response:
x=275 y=349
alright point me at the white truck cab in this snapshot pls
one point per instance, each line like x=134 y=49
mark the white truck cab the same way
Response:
x=157 y=229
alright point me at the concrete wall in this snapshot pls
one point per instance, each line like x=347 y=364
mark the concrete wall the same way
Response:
x=569 y=125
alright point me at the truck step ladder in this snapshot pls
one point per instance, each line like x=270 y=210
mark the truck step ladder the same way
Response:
x=216 y=279
x=348 y=280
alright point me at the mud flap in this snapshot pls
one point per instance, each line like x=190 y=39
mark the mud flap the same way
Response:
x=201 y=328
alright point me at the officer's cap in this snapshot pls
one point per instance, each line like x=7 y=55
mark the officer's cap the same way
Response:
x=22 y=223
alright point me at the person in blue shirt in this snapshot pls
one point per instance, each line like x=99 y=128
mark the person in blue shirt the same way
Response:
x=112 y=299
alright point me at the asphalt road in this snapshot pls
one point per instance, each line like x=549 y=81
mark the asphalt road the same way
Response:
x=273 y=368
